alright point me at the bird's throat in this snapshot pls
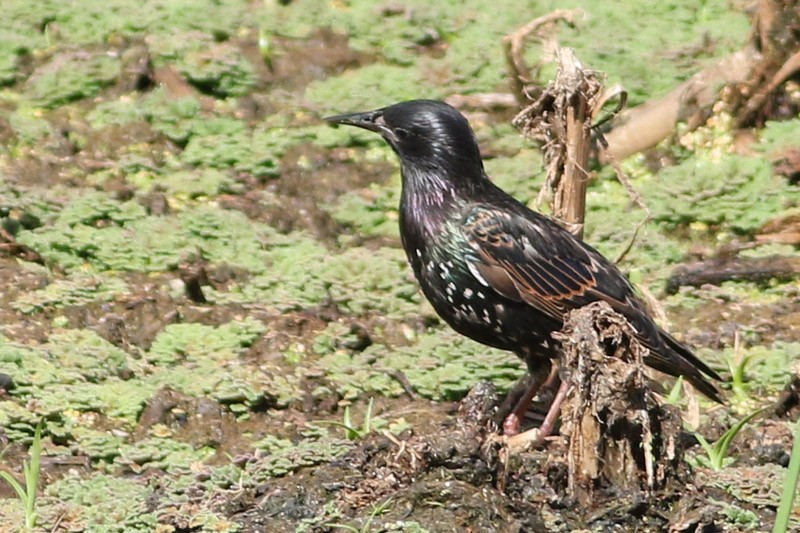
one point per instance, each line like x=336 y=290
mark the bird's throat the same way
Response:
x=426 y=202
x=425 y=189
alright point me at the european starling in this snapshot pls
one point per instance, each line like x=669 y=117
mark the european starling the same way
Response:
x=492 y=268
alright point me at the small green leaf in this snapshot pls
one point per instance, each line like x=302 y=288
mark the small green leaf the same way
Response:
x=14 y=484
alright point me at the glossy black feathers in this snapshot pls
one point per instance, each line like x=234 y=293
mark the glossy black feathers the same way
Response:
x=493 y=269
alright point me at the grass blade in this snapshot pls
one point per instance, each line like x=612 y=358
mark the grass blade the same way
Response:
x=722 y=445
x=27 y=494
x=32 y=476
x=707 y=447
x=367 y=425
x=676 y=392
x=789 y=485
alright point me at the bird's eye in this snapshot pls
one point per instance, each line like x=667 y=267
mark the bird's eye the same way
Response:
x=401 y=133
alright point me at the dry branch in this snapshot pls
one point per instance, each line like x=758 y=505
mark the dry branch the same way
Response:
x=753 y=76
x=561 y=120
x=716 y=271
x=646 y=125
x=775 y=34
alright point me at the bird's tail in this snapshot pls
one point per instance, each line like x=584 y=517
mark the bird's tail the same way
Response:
x=678 y=360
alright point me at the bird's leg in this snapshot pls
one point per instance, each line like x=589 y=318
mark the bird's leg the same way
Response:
x=555 y=409
x=536 y=436
x=512 y=423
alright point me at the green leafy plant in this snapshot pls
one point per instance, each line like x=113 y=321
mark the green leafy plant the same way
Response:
x=351 y=431
x=27 y=494
x=717 y=453
x=675 y=393
x=789 y=486
x=744 y=519
x=737 y=364
x=738 y=379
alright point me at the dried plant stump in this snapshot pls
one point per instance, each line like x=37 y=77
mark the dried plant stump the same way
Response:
x=619 y=435
x=560 y=121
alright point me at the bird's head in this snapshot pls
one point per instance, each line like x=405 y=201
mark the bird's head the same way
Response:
x=427 y=135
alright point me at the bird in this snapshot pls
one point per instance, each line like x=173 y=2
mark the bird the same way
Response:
x=493 y=269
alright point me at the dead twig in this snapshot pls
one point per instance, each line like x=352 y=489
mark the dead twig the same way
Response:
x=614 y=92
x=757 y=101
x=560 y=120
x=754 y=73
x=637 y=199
x=522 y=76
x=716 y=271
x=775 y=35
x=784 y=237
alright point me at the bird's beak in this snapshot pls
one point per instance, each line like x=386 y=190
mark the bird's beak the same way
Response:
x=370 y=120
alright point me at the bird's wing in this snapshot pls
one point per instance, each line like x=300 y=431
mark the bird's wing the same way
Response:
x=529 y=258
x=539 y=263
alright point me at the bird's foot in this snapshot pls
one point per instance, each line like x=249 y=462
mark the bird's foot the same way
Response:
x=527 y=440
x=535 y=437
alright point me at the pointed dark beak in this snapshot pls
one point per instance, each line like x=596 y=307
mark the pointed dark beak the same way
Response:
x=370 y=120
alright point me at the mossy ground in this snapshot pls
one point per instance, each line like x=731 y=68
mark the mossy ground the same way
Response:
x=138 y=137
